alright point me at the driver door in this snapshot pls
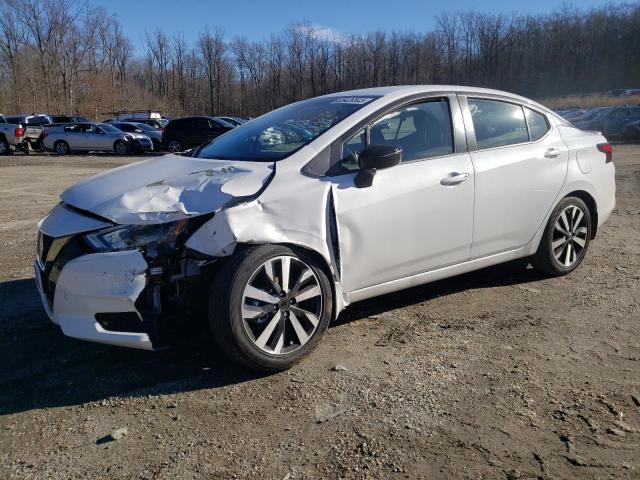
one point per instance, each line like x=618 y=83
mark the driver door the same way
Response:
x=416 y=216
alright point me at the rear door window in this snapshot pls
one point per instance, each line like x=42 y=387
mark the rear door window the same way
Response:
x=497 y=123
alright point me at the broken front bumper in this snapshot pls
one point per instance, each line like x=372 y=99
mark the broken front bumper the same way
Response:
x=89 y=289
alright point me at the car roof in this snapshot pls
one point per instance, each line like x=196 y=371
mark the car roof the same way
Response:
x=400 y=91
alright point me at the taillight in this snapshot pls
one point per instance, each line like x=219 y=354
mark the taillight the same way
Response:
x=607 y=149
x=19 y=131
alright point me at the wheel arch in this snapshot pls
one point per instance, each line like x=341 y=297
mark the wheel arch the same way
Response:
x=60 y=140
x=588 y=199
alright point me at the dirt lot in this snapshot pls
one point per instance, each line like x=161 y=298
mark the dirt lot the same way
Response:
x=497 y=374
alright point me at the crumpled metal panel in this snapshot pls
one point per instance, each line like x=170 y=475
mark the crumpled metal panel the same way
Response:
x=166 y=189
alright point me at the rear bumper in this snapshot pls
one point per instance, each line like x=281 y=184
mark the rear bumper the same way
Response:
x=94 y=284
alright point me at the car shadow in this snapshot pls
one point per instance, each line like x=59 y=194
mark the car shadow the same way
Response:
x=43 y=368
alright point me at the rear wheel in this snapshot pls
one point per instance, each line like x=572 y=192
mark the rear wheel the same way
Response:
x=270 y=306
x=566 y=238
x=121 y=148
x=175 y=146
x=61 y=147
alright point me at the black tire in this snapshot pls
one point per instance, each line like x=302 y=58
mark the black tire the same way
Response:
x=226 y=302
x=121 y=148
x=61 y=148
x=174 y=146
x=546 y=258
x=5 y=148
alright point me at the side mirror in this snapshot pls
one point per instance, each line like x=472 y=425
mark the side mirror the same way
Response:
x=375 y=157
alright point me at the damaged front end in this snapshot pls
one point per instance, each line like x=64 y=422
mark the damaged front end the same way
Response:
x=112 y=266
x=129 y=286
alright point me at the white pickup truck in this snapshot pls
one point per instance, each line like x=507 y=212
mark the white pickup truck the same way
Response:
x=20 y=132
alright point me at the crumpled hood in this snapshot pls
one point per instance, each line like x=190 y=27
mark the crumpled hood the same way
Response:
x=167 y=188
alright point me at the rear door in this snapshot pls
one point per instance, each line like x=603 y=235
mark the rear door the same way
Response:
x=520 y=165
x=74 y=136
x=90 y=137
x=193 y=130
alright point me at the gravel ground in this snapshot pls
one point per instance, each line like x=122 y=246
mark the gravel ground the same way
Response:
x=501 y=373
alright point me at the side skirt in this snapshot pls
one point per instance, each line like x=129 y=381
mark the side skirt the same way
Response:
x=439 y=274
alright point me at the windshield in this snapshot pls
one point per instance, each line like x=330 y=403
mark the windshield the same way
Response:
x=278 y=134
x=145 y=127
x=109 y=128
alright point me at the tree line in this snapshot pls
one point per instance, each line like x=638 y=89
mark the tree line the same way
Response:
x=67 y=56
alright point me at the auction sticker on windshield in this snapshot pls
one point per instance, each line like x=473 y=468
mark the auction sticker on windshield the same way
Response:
x=353 y=100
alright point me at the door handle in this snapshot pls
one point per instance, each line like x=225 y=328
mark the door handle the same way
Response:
x=552 y=153
x=454 y=178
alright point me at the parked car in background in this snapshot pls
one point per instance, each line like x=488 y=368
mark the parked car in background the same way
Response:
x=396 y=187
x=630 y=92
x=62 y=119
x=574 y=114
x=32 y=126
x=158 y=124
x=149 y=117
x=226 y=122
x=34 y=119
x=631 y=131
x=183 y=133
x=136 y=128
x=611 y=121
x=11 y=135
x=235 y=121
x=85 y=137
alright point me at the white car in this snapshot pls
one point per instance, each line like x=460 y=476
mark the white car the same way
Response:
x=396 y=187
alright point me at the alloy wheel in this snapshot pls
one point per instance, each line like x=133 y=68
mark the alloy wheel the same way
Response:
x=175 y=146
x=61 y=148
x=281 y=305
x=121 y=148
x=4 y=146
x=569 y=236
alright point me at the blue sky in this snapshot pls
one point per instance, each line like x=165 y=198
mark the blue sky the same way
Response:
x=256 y=20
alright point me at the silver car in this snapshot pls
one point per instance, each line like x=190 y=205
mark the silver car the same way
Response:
x=87 y=137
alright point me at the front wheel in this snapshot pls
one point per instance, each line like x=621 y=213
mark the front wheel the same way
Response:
x=566 y=238
x=269 y=306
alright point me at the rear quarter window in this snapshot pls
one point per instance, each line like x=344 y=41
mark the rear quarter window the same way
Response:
x=538 y=124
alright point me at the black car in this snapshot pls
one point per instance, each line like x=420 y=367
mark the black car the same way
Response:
x=631 y=131
x=157 y=123
x=611 y=121
x=62 y=119
x=188 y=132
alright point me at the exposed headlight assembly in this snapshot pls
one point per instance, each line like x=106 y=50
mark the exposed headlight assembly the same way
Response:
x=155 y=240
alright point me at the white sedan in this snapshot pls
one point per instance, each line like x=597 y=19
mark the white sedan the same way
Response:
x=366 y=192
